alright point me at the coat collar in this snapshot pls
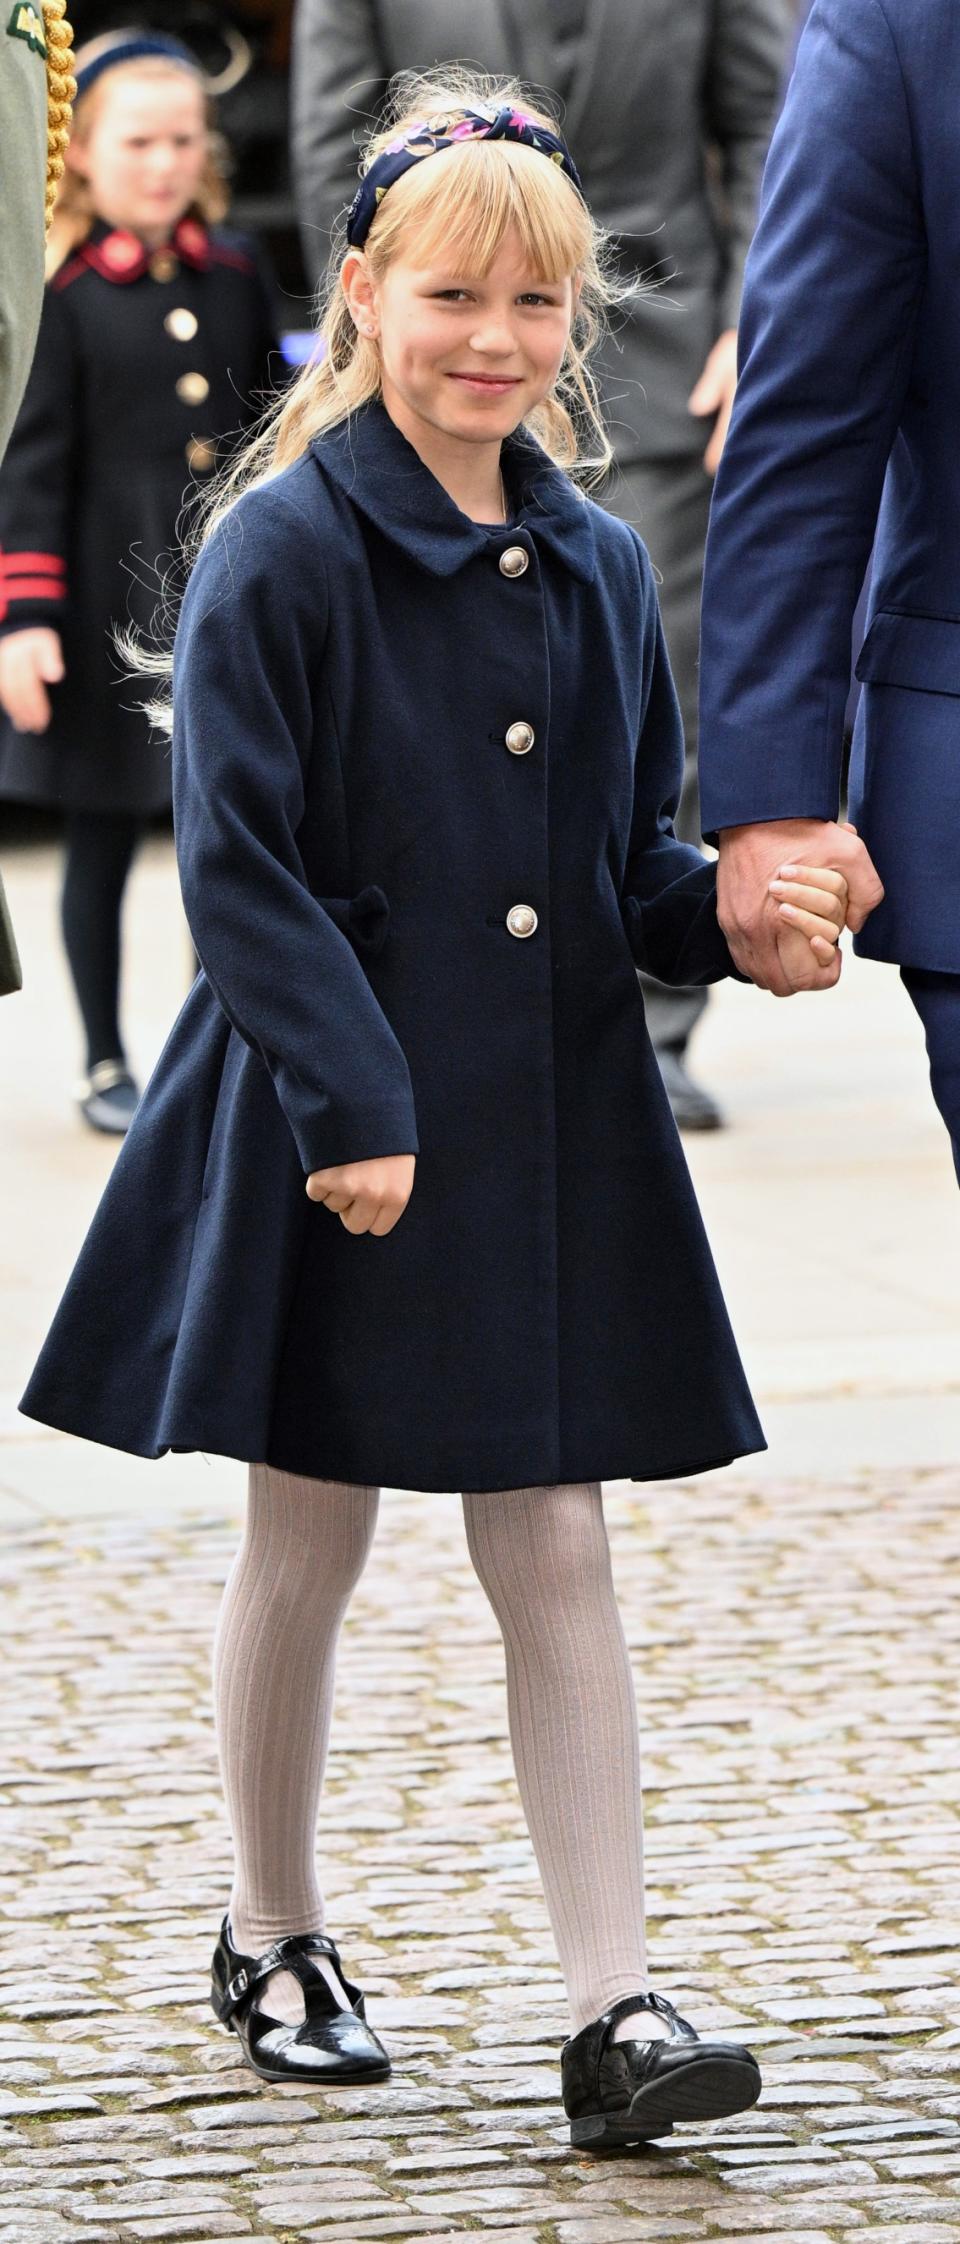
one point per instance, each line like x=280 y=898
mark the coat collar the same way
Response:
x=120 y=256
x=382 y=474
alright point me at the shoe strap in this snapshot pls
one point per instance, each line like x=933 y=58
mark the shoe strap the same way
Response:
x=680 y=2029
x=292 y=1953
x=107 y=1075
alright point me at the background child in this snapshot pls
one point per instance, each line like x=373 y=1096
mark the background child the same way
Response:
x=426 y=752
x=155 y=341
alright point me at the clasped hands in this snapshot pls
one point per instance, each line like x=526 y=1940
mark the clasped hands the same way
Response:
x=785 y=890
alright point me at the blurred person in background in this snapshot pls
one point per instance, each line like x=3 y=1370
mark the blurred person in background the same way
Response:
x=36 y=90
x=155 y=342
x=671 y=109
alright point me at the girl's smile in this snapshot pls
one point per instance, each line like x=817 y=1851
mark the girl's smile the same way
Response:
x=497 y=385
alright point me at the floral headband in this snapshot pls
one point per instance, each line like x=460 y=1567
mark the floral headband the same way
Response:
x=437 y=133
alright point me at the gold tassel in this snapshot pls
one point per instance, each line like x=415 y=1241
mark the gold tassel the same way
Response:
x=61 y=91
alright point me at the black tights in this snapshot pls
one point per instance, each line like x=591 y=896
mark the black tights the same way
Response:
x=100 y=845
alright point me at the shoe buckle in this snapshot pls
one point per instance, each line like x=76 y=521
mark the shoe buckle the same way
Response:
x=238 y=1986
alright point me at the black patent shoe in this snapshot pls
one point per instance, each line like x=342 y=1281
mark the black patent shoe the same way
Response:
x=619 y=2092
x=329 y=2046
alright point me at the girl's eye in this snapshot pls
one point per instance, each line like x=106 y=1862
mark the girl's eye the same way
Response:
x=449 y=295
x=533 y=296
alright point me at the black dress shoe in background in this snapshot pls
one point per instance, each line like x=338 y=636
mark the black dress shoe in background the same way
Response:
x=693 y=1108
x=619 y=2092
x=330 y=2045
x=108 y=1097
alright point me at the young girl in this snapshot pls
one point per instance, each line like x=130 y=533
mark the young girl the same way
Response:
x=404 y=1200
x=155 y=339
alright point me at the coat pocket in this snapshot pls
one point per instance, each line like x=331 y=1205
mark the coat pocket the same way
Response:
x=920 y=652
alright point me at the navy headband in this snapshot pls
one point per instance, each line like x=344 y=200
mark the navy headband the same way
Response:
x=132 y=49
x=437 y=133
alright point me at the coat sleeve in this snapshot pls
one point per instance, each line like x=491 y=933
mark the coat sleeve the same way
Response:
x=743 y=86
x=248 y=692
x=339 y=80
x=37 y=478
x=834 y=283
x=669 y=893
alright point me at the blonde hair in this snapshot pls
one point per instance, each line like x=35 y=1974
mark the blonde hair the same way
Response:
x=466 y=199
x=73 y=212
x=61 y=89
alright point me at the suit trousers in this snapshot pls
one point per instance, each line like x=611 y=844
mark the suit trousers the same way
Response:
x=668 y=501
x=937 y=1000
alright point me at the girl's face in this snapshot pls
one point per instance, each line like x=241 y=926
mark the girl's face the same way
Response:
x=144 y=155
x=466 y=358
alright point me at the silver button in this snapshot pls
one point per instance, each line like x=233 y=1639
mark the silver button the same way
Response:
x=515 y=561
x=181 y=324
x=194 y=389
x=522 y=920
x=520 y=739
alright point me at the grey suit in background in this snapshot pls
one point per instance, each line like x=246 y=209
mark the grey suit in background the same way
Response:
x=669 y=106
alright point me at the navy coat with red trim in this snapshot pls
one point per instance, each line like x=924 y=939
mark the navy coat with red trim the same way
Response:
x=356 y=819
x=143 y=362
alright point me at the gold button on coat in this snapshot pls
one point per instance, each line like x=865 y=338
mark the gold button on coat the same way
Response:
x=193 y=388
x=515 y=561
x=522 y=920
x=520 y=739
x=164 y=266
x=181 y=324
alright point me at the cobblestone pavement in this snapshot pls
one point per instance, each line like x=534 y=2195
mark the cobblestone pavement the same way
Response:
x=795 y=1658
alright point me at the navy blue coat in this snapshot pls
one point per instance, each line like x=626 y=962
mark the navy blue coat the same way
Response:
x=849 y=389
x=353 y=832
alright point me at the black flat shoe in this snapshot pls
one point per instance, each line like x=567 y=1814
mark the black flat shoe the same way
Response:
x=619 y=2092
x=108 y=1097
x=331 y=2045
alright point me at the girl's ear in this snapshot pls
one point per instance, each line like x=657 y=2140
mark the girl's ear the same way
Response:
x=361 y=294
x=75 y=157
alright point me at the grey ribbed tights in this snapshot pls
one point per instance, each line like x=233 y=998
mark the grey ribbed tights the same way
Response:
x=543 y=1558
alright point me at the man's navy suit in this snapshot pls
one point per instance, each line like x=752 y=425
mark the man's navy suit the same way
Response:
x=847 y=426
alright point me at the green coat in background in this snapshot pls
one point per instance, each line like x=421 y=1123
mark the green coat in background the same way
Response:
x=23 y=172
x=23 y=175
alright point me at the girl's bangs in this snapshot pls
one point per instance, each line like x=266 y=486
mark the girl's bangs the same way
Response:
x=460 y=205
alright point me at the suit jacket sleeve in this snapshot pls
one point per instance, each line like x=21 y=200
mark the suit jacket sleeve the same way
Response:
x=834 y=282
x=37 y=478
x=669 y=894
x=339 y=80
x=743 y=86
x=247 y=692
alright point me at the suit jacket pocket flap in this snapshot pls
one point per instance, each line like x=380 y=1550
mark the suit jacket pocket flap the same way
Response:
x=906 y=650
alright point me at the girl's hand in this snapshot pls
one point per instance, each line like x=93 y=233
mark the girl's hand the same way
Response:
x=366 y=1195
x=30 y=661
x=811 y=908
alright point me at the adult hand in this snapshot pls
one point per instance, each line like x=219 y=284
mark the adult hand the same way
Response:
x=752 y=856
x=366 y=1195
x=30 y=661
x=715 y=393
